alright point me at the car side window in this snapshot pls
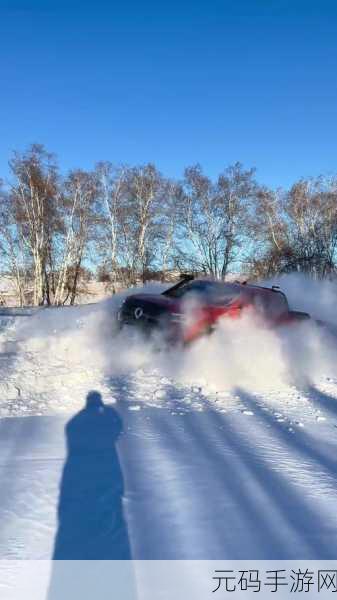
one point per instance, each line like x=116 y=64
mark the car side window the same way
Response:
x=212 y=292
x=272 y=305
x=180 y=291
x=198 y=288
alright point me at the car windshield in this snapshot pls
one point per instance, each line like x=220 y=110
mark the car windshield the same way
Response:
x=271 y=304
x=207 y=290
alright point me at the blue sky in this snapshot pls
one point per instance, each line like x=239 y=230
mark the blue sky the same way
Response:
x=211 y=81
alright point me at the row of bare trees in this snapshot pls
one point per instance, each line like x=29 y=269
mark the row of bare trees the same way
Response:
x=297 y=229
x=130 y=223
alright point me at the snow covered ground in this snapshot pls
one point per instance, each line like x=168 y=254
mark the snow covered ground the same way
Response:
x=225 y=451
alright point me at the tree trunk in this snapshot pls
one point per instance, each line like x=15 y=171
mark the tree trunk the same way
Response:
x=38 y=280
x=46 y=287
x=75 y=281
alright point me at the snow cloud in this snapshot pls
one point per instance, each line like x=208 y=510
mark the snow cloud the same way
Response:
x=73 y=348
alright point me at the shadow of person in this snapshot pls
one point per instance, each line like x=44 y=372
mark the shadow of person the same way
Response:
x=91 y=523
x=92 y=530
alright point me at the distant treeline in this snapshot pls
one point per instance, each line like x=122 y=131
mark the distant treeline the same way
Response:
x=128 y=222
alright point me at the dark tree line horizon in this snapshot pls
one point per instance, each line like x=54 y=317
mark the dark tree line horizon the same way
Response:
x=123 y=224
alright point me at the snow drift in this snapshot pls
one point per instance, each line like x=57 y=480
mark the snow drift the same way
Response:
x=63 y=352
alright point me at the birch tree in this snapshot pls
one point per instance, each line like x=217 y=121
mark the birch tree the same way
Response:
x=33 y=195
x=168 y=226
x=144 y=193
x=80 y=199
x=297 y=229
x=215 y=217
x=13 y=259
x=311 y=213
x=112 y=182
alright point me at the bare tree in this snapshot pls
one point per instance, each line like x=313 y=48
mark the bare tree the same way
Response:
x=311 y=210
x=297 y=229
x=168 y=226
x=214 y=217
x=79 y=220
x=112 y=183
x=13 y=259
x=33 y=196
x=142 y=200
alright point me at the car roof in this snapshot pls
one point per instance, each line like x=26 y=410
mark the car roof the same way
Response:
x=238 y=287
x=235 y=285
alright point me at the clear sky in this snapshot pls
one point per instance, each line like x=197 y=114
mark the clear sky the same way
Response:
x=173 y=82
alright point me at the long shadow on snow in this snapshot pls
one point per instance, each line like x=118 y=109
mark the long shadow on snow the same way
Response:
x=302 y=442
x=307 y=521
x=91 y=521
x=240 y=474
x=322 y=400
x=231 y=523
